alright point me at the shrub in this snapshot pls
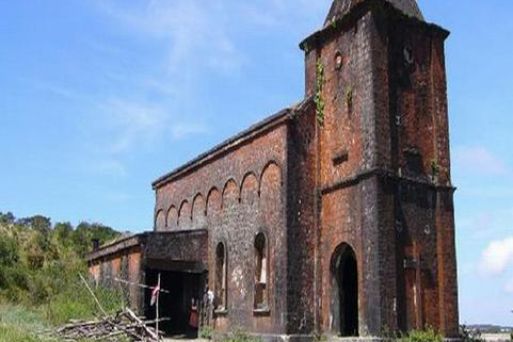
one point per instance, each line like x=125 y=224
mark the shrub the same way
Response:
x=320 y=337
x=75 y=302
x=206 y=332
x=429 y=335
x=468 y=335
x=241 y=336
x=8 y=251
x=39 y=267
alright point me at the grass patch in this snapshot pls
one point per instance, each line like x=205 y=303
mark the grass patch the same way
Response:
x=241 y=336
x=21 y=324
x=38 y=322
x=78 y=304
x=429 y=335
x=9 y=333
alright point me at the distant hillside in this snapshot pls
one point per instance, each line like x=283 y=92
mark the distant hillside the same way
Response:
x=490 y=329
x=37 y=258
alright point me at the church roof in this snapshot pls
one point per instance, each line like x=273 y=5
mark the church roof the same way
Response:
x=262 y=126
x=340 y=8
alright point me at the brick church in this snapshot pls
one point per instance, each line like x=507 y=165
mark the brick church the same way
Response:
x=334 y=216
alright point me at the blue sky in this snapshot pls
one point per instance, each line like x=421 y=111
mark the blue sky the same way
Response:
x=99 y=98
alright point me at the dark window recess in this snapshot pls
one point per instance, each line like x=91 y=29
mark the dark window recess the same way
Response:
x=414 y=162
x=408 y=56
x=220 y=278
x=339 y=60
x=341 y=157
x=261 y=273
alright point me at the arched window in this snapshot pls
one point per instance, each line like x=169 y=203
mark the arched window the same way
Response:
x=261 y=272
x=220 y=277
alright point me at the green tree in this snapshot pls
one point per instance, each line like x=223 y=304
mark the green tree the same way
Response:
x=38 y=261
x=8 y=251
x=62 y=233
x=39 y=223
x=7 y=218
x=86 y=232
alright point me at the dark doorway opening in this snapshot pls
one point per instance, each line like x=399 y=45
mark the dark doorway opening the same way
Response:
x=176 y=306
x=345 y=274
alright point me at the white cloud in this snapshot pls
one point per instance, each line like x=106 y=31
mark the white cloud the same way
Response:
x=271 y=14
x=478 y=159
x=194 y=33
x=509 y=286
x=125 y=125
x=496 y=258
x=131 y=123
x=197 y=34
x=187 y=39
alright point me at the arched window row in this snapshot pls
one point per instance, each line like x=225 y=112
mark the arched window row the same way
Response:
x=184 y=216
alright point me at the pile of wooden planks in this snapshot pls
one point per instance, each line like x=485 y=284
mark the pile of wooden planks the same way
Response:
x=123 y=326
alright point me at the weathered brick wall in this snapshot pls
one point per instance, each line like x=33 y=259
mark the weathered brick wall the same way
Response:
x=419 y=151
x=302 y=199
x=179 y=246
x=136 y=293
x=347 y=150
x=94 y=272
x=235 y=196
x=384 y=168
x=124 y=265
x=446 y=259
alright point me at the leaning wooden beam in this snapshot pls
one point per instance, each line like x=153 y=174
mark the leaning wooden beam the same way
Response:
x=92 y=294
x=144 y=286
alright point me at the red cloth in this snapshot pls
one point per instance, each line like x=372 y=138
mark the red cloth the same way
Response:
x=154 y=294
x=194 y=317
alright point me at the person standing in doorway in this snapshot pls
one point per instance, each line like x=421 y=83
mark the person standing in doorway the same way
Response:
x=194 y=316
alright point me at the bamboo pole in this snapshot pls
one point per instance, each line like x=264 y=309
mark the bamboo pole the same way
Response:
x=157 y=309
x=92 y=294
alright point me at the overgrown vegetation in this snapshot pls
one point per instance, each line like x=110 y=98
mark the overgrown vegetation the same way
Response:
x=468 y=335
x=18 y=323
x=241 y=336
x=349 y=99
x=428 y=335
x=435 y=168
x=40 y=265
x=206 y=333
x=318 y=99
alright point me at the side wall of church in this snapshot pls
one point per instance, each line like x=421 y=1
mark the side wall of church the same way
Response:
x=237 y=196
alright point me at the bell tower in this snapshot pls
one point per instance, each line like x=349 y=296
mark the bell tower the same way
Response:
x=376 y=75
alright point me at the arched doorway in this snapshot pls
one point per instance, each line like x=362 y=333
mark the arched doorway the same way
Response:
x=344 y=291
